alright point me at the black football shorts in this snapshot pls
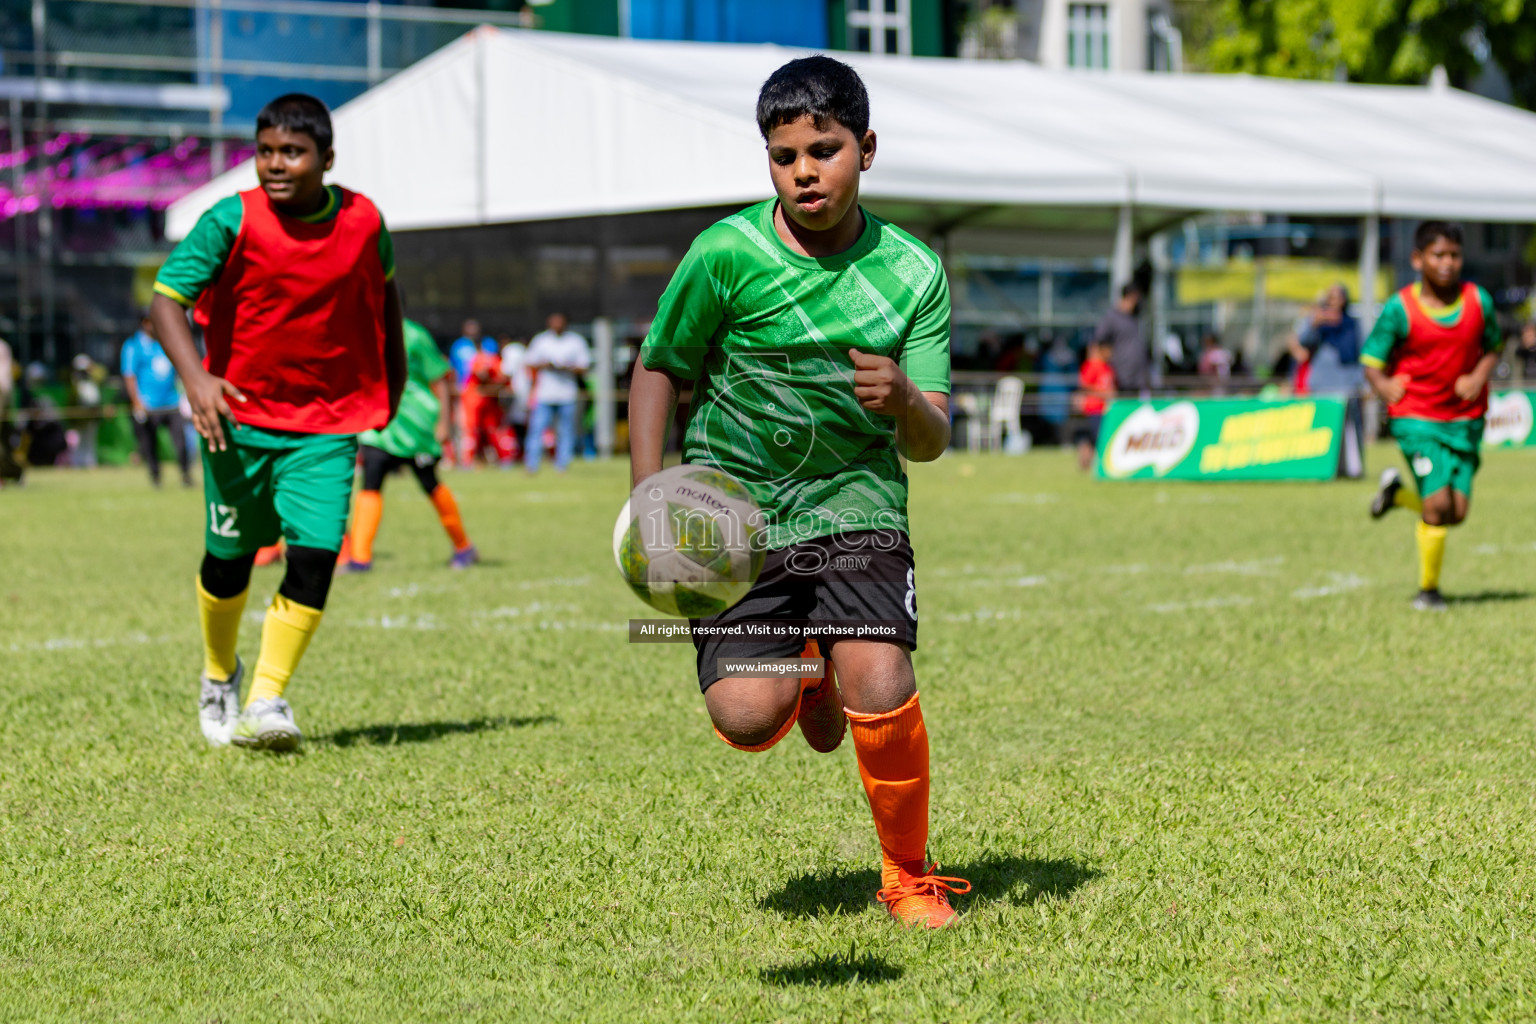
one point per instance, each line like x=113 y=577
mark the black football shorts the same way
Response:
x=856 y=585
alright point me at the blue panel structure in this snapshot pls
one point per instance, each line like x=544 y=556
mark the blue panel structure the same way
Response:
x=786 y=22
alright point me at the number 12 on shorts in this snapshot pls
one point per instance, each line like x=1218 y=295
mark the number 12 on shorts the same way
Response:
x=221 y=520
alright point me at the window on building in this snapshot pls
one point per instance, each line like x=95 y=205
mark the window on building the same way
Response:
x=1497 y=237
x=880 y=26
x=1088 y=36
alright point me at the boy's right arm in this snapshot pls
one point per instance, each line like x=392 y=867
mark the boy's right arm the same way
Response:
x=681 y=333
x=193 y=266
x=652 y=403
x=1390 y=328
x=205 y=392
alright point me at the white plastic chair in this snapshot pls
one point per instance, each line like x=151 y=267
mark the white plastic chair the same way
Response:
x=1005 y=430
x=970 y=407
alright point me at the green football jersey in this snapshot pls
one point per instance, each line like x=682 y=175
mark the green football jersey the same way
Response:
x=764 y=333
x=413 y=431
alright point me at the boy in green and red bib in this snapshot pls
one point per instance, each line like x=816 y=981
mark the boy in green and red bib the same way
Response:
x=292 y=283
x=1429 y=358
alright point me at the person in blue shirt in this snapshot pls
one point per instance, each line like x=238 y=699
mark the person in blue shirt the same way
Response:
x=151 y=382
x=462 y=352
x=1333 y=341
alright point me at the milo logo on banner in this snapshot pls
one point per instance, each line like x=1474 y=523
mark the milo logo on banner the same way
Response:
x=1222 y=439
x=1509 y=420
x=1159 y=438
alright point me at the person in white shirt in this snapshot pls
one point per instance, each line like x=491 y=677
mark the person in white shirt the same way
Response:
x=514 y=360
x=557 y=356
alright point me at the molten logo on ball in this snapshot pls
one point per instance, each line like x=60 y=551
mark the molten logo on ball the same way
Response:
x=689 y=541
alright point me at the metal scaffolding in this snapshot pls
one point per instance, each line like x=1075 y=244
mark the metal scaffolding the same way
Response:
x=159 y=76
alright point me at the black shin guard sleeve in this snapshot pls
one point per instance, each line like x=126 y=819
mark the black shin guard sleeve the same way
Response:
x=223 y=578
x=308 y=579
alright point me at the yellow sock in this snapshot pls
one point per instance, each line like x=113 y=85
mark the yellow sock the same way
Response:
x=284 y=637
x=1431 y=554
x=1406 y=498
x=221 y=628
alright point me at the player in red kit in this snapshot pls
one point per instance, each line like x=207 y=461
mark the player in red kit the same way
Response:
x=483 y=421
x=292 y=284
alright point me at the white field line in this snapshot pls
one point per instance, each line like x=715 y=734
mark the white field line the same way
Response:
x=1231 y=601
x=1023 y=498
x=1254 y=567
x=429 y=623
x=984 y=615
x=1164 y=498
x=70 y=643
x=1339 y=583
x=1495 y=549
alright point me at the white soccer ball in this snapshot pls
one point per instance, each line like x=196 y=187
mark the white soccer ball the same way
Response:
x=689 y=541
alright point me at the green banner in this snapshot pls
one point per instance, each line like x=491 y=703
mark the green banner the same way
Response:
x=1509 y=420
x=1221 y=439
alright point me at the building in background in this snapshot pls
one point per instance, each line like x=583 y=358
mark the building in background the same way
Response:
x=112 y=109
x=1117 y=35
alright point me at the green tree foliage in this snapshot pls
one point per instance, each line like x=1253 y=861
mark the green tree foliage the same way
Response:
x=1384 y=41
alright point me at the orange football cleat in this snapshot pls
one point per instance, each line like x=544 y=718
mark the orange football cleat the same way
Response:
x=921 y=900
x=822 y=721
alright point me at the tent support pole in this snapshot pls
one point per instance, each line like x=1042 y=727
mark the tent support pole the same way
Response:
x=1120 y=263
x=1370 y=256
x=602 y=367
x=482 y=125
x=1161 y=300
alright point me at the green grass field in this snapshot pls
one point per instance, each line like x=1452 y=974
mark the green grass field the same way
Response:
x=1200 y=759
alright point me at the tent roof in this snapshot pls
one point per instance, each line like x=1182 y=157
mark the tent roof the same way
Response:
x=508 y=125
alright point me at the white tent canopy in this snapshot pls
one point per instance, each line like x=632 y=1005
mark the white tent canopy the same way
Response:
x=505 y=126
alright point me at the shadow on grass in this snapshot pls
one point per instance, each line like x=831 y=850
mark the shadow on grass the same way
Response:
x=1490 y=597
x=1019 y=880
x=426 y=732
x=849 y=968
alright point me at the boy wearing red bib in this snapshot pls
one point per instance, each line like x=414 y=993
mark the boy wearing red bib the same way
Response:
x=292 y=283
x=1429 y=357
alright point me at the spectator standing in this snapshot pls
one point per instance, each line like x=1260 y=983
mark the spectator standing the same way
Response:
x=7 y=376
x=557 y=355
x=1332 y=337
x=86 y=376
x=514 y=365
x=10 y=470
x=1332 y=340
x=151 y=382
x=1058 y=370
x=1215 y=366
x=462 y=352
x=1096 y=383
x=1524 y=355
x=1120 y=331
x=483 y=420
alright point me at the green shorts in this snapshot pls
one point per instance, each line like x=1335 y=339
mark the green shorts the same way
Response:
x=1440 y=455
x=269 y=484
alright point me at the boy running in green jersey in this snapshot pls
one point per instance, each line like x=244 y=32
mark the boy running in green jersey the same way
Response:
x=815 y=337
x=1429 y=357
x=415 y=438
x=293 y=285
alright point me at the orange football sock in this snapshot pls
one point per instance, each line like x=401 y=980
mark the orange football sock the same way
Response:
x=367 y=511
x=892 y=749
x=448 y=513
